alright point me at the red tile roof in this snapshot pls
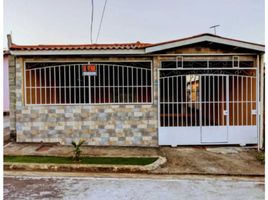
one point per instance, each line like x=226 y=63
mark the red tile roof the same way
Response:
x=118 y=46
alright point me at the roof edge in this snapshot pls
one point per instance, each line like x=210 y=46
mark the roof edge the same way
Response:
x=136 y=46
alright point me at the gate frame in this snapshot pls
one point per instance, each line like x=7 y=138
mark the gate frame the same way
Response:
x=258 y=102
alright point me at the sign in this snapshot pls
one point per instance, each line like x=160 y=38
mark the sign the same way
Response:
x=89 y=70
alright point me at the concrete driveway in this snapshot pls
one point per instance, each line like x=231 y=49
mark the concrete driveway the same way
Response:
x=211 y=160
x=42 y=187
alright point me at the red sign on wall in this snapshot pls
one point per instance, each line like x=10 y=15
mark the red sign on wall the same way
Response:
x=89 y=70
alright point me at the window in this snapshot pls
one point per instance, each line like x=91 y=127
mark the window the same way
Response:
x=54 y=83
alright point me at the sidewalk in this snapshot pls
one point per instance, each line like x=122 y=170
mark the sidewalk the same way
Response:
x=231 y=161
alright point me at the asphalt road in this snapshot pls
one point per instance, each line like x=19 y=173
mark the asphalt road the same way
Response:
x=79 y=187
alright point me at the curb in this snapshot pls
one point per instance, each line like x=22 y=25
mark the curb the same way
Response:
x=86 y=167
x=207 y=174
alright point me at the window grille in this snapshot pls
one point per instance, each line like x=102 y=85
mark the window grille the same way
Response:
x=66 y=84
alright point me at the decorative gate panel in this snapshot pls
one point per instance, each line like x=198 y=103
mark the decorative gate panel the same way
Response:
x=207 y=108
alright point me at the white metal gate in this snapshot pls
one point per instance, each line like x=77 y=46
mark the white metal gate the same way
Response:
x=207 y=107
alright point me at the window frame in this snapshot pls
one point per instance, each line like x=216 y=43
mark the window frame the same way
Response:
x=86 y=62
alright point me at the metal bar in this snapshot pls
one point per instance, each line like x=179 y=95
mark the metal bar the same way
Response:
x=212 y=68
x=89 y=90
x=142 y=84
x=109 y=89
x=237 y=103
x=227 y=100
x=118 y=84
x=200 y=106
x=127 y=85
x=172 y=83
x=168 y=105
x=64 y=72
x=40 y=82
x=205 y=98
x=55 y=92
x=137 y=83
x=233 y=100
x=70 y=84
x=186 y=100
x=213 y=94
x=182 y=119
x=164 y=99
x=191 y=100
x=251 y=99
x=99 y=88
x=45 y=86
x=200 y=74
x=113 y=95
x=209 y=113
x=223 y=97
x=60 y=86
x=50 y=84
x=247 y=101
x=242 y=104
x=147 y=85
x=84 y=85
x=218 y=104
x=35 y=89
x=196 y=101
x=257 y=104
x=123 y=82
x=177 y=99
x=132 y=74
x=104 y=89
x=74 y=85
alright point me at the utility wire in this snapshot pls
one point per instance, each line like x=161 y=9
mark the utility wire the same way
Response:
x=102 y=15
x=91 y=23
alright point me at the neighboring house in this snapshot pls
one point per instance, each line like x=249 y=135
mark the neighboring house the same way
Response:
x=6 y=81
x=201 y=90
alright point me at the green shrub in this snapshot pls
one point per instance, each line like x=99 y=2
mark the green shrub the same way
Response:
x=77 y=151
x=261 y=156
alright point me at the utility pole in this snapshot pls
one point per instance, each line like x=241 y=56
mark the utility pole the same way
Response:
x=215 y=28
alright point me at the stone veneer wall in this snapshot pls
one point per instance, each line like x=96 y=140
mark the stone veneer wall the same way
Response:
x=12 y=96
x=124 y=125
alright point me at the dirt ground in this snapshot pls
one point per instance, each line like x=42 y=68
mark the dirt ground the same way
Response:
x=211 y=160
x=180 y=160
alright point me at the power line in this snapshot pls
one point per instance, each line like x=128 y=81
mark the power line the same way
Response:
x=91 y=23
x=103 y=11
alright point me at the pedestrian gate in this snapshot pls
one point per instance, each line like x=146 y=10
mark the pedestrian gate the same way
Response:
x=207 y=106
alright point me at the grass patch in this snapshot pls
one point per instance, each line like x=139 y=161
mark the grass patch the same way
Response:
x=261 y=157
x=83 y=160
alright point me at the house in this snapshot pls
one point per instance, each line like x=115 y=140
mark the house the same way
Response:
x=6 y=82
x=200 y=90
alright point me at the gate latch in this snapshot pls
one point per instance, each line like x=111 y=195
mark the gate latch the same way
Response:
x=254 y=112
x=225 y=112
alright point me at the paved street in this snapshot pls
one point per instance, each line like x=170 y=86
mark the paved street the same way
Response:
x=56 y=187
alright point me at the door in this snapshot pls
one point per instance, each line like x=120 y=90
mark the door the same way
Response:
x=214 y=98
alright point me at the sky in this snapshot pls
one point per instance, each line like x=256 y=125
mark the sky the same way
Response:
x=68 y=21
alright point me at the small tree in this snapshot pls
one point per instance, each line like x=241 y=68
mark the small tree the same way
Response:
x=77 y=150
